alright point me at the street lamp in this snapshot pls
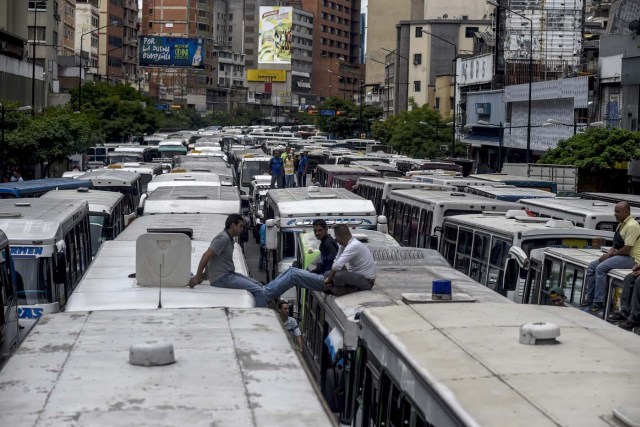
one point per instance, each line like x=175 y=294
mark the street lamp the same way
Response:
x=455 y=75
x=80 y=62
x=497 y=5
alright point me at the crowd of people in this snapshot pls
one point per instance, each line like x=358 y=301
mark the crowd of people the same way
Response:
x=287 y=169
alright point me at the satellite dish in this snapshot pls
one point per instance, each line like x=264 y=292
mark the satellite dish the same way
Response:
x=635 y=26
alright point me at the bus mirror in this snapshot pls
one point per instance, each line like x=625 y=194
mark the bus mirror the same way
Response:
x=383 y=226
x=520 y=256
x=433 y=242
x=60 y=272
x=271 y=234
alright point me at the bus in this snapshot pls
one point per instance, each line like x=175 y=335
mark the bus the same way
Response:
x=386 y=170
x=226 y=172
x=38 y=187
x=51 y=250
x=147 y=171
x=133 y=153
x=248 y=167
x=416 y=215
x=508 y=193
x=378 y=189
x=9 y=328
x=172 y=147
x=325 y=173
x=124 y=182
x=518 y=181
x=632 y=199
x=114 y=281
x=255 y=378
x=459 y=182
x=480 y=245
x=192 y=199
x=183 y=180
x=289 y=211
x=406 y=165
x=106 y=212
x=331 y=325
x=583 y=213
x=492 y=364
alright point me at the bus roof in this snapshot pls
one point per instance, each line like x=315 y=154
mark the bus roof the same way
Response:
x=234 y=367
x=24 y=188
x=633 y=199
x=529 y=227
x=111 y=177
x=140 y=167
x=204 y=226
x=404 y=275
x=296 y=202
x=577 y=256
x=193 y=199
x=349 y=169
x=398 y=183
x=509 y=192
x=447 y=180
x=99 y=201
x=108 y=285
x=133 y=148
x=184 y=179
x=458 y=199
x=478 y=373
x=39 y=220
x=503 y=177
x=577 y=206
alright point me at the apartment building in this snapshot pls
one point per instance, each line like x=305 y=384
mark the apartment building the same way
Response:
x=86 y=36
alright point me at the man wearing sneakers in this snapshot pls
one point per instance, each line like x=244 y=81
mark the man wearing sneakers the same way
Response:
x=629 y=314
x=626 y=249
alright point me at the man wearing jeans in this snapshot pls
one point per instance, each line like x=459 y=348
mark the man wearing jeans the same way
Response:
x=218 y=260
x=626 y=248
x=354 y=268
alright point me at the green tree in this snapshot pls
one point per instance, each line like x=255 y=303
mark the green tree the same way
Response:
x=50 y=136
x=344 y=123
x=595 y=150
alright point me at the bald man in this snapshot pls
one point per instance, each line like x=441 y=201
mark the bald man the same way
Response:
x=623 y=253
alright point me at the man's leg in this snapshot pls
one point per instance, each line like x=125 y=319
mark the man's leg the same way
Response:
x=293 y=277
x=345 y=282
x=634 y=317
x=281 y=181
x=239 y=281
x=628 y=286
x=273 y=181
x=590 y=283
x=602 y=282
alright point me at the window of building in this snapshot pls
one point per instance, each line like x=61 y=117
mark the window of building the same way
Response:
x=151 y=11
x=37 y=34
x=416 y=86
x=150 y=24
x=55 y=39
x=40 y=5
x=417 y=58
x=437 y=106
x=418 y=32
x=470 y=31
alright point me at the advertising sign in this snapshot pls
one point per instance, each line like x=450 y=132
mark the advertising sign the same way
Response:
x=266 y=75
x=158 y=51
x=275 y=35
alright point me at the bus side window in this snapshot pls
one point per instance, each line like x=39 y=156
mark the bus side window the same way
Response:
x=406 y=225
x=424 y=230
x=480 y=258
x=573 y=283
x=497 y=259
x=391 y=216
x=413 y=238
x=450 y=236
x=463 y=251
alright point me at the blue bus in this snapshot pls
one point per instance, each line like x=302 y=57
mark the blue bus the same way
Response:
x=37 y=187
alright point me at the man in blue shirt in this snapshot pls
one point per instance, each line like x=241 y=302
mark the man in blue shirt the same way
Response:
x=276 y=170
x=302 y=169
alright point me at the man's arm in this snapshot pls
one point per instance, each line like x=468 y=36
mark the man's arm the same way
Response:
x=197 y=279
x=299 y=342
x=347 y=253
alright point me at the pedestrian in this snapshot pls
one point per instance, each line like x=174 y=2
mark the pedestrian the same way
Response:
x=262 y=264
x=290 y=324
x=276 y=166
x=285 y=153
x=557 y=296
x=218 y=260
x=289 y=171
x=16 y=176
x=309 y=279
x=302 y=169
x=626 y=249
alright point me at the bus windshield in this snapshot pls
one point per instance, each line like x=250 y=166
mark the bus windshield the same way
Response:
x=33 y=281
x=562 y=242
x=124 y=158
x=251 y=169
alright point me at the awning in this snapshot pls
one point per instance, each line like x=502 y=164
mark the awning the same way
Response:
x=480 y=140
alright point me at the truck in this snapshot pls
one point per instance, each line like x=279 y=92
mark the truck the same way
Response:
x=565 y=176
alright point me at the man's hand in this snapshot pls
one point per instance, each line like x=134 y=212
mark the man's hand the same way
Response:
x=604 y=257
x=195 y=281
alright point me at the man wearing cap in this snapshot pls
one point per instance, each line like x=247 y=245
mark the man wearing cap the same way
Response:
x=557 y=296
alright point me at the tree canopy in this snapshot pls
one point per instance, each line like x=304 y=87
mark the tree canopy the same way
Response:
x=595 y=150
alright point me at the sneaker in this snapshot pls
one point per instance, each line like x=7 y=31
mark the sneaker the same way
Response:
x=628 y=324
x=597 y=309
x=586 y=304
x=617 y=316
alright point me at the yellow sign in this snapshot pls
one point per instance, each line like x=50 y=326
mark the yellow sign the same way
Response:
x=266 y=75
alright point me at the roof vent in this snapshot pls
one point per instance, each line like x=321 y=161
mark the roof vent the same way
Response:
x=83 y=190
x=23 y=204
x=539 y=333
x=10 y=215
x=514 y=213
x=600 y=204
x=154 y=354
x=458 y=194
x=559 y=223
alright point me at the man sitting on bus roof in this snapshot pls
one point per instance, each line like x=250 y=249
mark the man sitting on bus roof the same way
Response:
x=626 y=249
x=629 y=314
x=354 y=268
x=218 y=260
x=313 y=279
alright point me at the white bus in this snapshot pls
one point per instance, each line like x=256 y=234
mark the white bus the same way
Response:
x=416 y=215
x=583 y=213
x=51 y=251
x=114 y=280
x=378 y=189
x=106 y=212
x=172 y=147
x=202 y=179
x=493 y=365
x=508 y=193
x=125 y=182
x=479 y=245
x=460 y=183
x=233 y=367
x=132 y=153
x=9 y=328
x=192 y=199
x=147 y=171
x=289 y=211
x=248 y=168
x=331 y=326
x=632 y=199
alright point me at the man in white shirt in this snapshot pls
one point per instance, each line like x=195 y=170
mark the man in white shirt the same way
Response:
x=354 y=268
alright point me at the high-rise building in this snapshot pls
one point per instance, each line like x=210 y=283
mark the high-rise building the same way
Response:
x=111 y=34
x=130 y=40
x=87 y=22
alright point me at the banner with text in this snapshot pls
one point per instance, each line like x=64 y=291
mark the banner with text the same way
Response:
x=158 y=51
x=275 y=35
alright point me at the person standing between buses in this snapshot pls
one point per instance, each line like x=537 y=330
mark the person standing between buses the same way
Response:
x=276 y=165
x=302 y=169
x=289 y=171
x=625 y=249
x=290 y=324
x=218 y=260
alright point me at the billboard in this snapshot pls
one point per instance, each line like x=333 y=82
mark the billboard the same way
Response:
x=275 y=35
x=159 y=51
x=266 y=75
